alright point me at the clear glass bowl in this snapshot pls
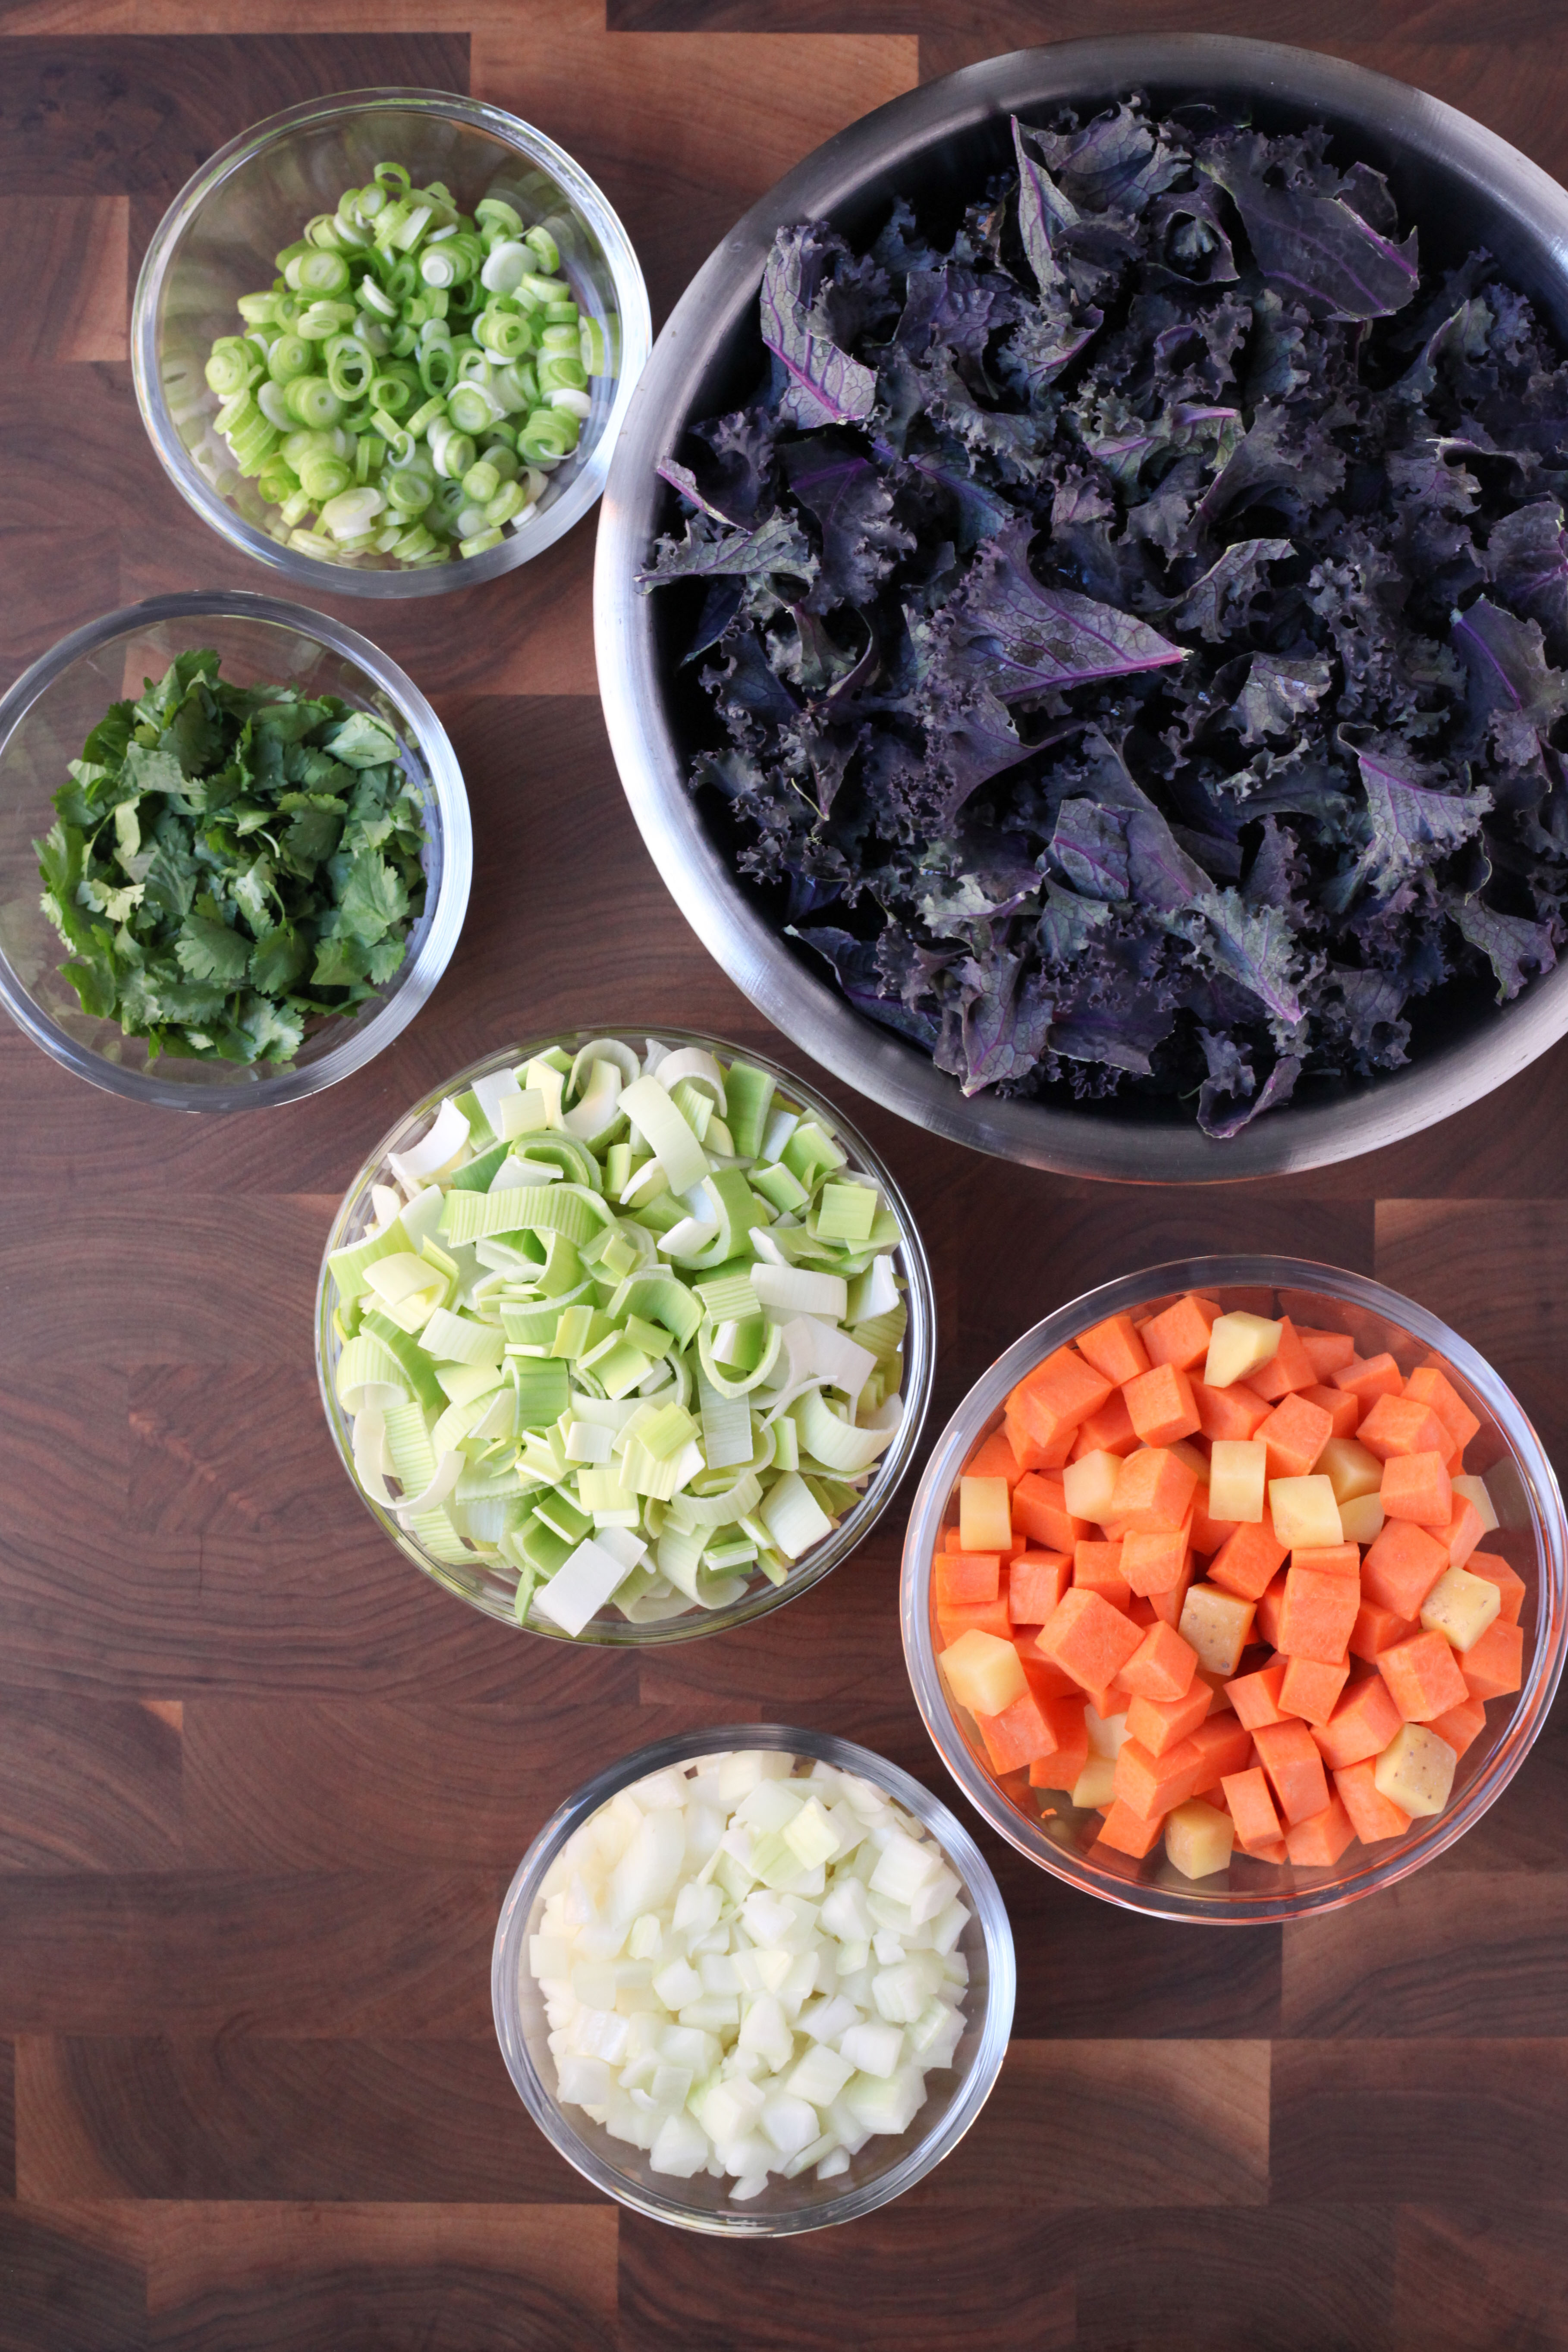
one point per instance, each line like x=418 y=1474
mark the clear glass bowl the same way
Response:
x=43 y=721
x=1532 y=1537
x=218 y=238
x=490 y=1584
x=885 y=2168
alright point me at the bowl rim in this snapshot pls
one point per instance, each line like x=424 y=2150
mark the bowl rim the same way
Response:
x=450 y=801
x=920 y=1359
x=961 y=1850
x=984 y=1400
x=1377 y=1112
x=307 y=572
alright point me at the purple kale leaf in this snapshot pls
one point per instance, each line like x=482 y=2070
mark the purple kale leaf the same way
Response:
x=1412 y=824
x=1089 y=847
x=853 y=507
x=837 y=387
x=1117 y=163
x=1510 y=679
x=1527 y=561
x=1219 y=605
x=1280 y=690
x=1507 y=942
x=777 y=545
x=1006 y=629
x=1317 y=245
x=1045 y=214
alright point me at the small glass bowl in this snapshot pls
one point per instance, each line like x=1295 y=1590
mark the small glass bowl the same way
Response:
x=1532 y=1538
x=491 y=1584
x=885 y=2168
x=218 y=240
x=43 y=721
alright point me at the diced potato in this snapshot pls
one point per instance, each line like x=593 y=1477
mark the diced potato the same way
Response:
x=1238 y=1472
x=1475 y=1490
x=1350 y=1469
x=1362 y=1518
x=1088 y=1483
x=1106 y=1732
x=1305 y=1513
x=984 y=1515
x=1415 y=1770
x=1198 y=1838
x=982 y=1672
x=1460 y=1607
x=1238 y=1345
x=1096 y=1784
x=1216 y=1625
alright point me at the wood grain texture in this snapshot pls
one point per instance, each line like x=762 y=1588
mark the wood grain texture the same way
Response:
x=262 y=1786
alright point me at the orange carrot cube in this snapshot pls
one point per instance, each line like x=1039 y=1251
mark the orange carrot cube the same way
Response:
x=1255 y=1696
x=1153 y=1561
x=1052 y=1400
x=1207 y=1534
x=1377 y=1629
x=1123 y=1832
x=1088 y=1639
x=1251 y=1807
x=1375 y=1816
x=1416 y=1486
x=1329 y=1559
x=1097 y=1568
x=1154 y=1784
x=1316 y=1615
x=1016 y=1735
x=1270 y=1602
x=1362 y=1724
x=1295 y=1434
x=1180 y=1334
x=1161 y=1404
x=1060 y=1766
x=1463 y=1532
x=1289 y=1368
x=1114 y=1348
x=1402 y=1425
x=982 y=1616
x=1328 y=1353
x=1247 y=1562
x=960 y=1579
x=1232 y=1413
x=1290 y=1756
x=1041 y=1515
x=1158 y=1723
x=1155 y=1490
x=1495 y=1570
x=1423 y=1677
x=1495 y=1664
x=1044 y=1679
x=1311 y=1690
x=1434 y=1387
x=995 y=1459
x=1318 y=1842
x=1035 y=1583
x=1460 y=1725
x=1166 y=1604
x=1223 y=1746
x=1161 y=1666
x=1367 y=1378
x=1343 y=1409
x=1401 y=1567
x=1108 y=1431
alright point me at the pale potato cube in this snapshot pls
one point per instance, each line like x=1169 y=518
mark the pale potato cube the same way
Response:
x=982 y=1672
x=1198 y=1838
x=1106 y=1732
x=1088 y=1483
x=1460 y=1607
x=1238 y=1472
x=1362 y=1518
x=1215 y=1625
x=1096 y=1784
x=1350 y=1469
x=1238 y=1345
x=984 y=1515
x=1415 y=1770
x=1197 y=1463
x=1475 y=1491
x=1305 y=1514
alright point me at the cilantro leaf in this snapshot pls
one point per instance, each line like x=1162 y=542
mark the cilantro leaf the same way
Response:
x=373 y=899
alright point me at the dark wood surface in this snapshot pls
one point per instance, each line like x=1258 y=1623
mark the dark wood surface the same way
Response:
x=261 y=1786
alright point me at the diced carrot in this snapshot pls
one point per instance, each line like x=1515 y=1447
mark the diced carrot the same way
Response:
x=1109 y=1701
x=1289 y=1368
x=1040 y=1513
x=1154 y=1784
x=1255 y=1696
x=1057 y=1394
x=1416 y=1486
x=1161 y=1404
x=1423 y=1677
x=1097 y=1568
x=1167 y=1604
x=1460 y=1725
x=1291 y=1758
x=1326 y=1351
x=1035 y=1583
x=1434 y=1387
x=1327 y=1559
x=961 y=1578
x=1044 y=1679
x=1311 y=1689
x=1141 y=1611
x=1270 y=1601
x=983 y=1616
x=1158 y=1723
x=1463 y=1532
x=1088 y=1639
x=1495 y=1664
x=1223 y=1746
x=1059 y=1767
x=1123 y=1832
x=1295 y=1434
x=1495 y=1570
x=1155 y=1490
x=1161 y=1666
x=1016 y=1735
x=1315 y=1844
x=1373 y=1815
x=1362 y=1724
x=1367 y=1378
x=1251 y=1807
x=1402 y=1425
x=1180 y=1336
x=1232 y=1413
x=1209 y=1534
x=1108 y=1431
x=1343 y=1409
x=1153 y=1562
x=1114 y=1348
x=1031 y=1452
x=1275 y=1851
x=1316 y=1615
x=1247 y=1561
x=1401 y=1567
x=995 y=1459
x=1375 y=1630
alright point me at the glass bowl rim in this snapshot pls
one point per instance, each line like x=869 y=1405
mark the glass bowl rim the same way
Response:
x=1125 y=1292
x=979 y=1885
x=919 y=1364
x=450 y=798
x=525 y=140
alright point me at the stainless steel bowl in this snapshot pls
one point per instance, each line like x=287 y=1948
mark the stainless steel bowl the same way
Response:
x=1462 y=186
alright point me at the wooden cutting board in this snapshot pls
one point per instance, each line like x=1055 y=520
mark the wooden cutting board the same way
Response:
x=261 y=1786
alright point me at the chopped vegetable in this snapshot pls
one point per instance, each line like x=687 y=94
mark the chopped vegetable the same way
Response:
x=750 y=1966
x=1275 y=1674
x=231 y=863
x=634 y=1349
